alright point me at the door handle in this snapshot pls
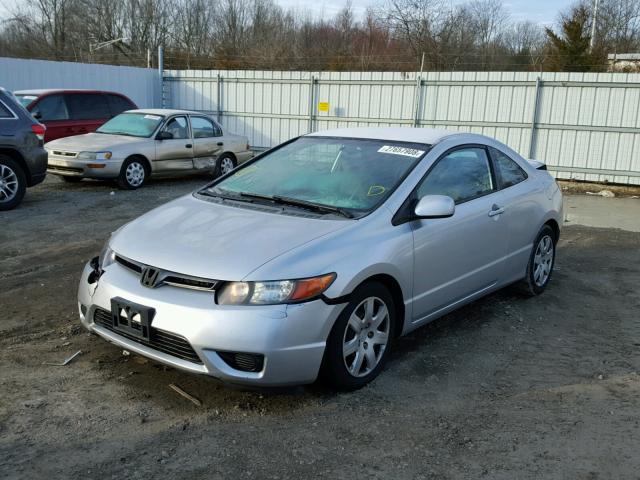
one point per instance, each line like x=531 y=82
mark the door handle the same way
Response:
x=496 y=210
x=220 y=144
x=188 y=145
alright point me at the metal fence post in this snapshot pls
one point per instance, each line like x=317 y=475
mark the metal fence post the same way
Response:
x=161 y=74
x=219 y=97
x=534 y=120
x=418 y=95
x=312 y=102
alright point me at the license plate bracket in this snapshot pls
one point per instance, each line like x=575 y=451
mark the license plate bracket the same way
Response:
x=132 y=318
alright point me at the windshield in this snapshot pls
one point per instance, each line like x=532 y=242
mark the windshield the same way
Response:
x=133 y=124
x=25 y=100
x=350 y=174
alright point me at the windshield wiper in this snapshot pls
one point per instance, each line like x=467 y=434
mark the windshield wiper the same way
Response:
x=317 y=207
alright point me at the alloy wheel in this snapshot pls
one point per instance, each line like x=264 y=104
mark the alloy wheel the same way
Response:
x=8 y=183
x=543 y=260
x=366 y=336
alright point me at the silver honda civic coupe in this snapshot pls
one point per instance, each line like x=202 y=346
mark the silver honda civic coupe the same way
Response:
x=311 y=258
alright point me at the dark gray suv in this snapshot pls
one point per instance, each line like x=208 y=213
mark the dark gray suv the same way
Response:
x=23 y=159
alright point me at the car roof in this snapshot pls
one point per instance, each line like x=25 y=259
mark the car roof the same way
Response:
x=427 y=136
x=167 y=111
x=44 y=91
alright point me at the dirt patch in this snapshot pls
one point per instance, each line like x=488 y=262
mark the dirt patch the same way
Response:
x=577 y=187
x=504 y=388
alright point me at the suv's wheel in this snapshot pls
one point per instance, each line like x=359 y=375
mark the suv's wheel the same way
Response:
x=225 y=164
x=13 y=183
x=360 y=340
x=541 y=261
x=133 y=174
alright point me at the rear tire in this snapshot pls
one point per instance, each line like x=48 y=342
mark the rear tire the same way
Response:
x=13 y=183
x=133 y=174
x=226 y=162
x=360 y=340
x=541 y=263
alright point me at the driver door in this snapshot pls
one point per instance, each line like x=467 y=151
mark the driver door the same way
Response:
x=459 y=257
x=176 y=153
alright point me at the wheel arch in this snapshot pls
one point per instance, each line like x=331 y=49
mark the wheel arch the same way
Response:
x=554 y=226
x=143 y=158
x=16 y=156
x=393 y=286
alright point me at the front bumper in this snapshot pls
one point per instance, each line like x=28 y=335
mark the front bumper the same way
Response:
x=291 y=337
x=80 y=168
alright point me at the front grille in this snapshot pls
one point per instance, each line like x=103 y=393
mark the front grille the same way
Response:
x=60 y=168
x=60 y=153
x=170 y=278
x=160 y=340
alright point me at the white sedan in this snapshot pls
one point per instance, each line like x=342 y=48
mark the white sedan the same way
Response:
x=136 y=144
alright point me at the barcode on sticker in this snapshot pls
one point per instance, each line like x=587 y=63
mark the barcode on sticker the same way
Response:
x=407 y=152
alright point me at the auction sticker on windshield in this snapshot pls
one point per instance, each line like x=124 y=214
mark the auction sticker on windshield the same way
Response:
x=152 y=117
x=407 y=152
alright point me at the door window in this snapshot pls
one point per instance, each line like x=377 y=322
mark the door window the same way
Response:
x=202 y=128
x=51 y=107
x=177 y=127
x=463 y=175
x=118 y=104
x=87 y=106
x=508 y=171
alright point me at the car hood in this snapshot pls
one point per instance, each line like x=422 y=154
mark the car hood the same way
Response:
x=92 y=142
x=206 y=239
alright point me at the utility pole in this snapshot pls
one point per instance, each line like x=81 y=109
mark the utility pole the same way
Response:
x=594 y=22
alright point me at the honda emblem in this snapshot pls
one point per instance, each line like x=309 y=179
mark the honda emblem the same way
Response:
x=150 y=277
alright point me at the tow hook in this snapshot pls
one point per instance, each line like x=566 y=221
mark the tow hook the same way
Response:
x=96 y=272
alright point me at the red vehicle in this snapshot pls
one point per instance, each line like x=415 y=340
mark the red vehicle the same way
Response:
x=72 y=112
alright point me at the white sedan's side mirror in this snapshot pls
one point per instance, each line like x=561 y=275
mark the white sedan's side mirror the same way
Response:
x=435 y=206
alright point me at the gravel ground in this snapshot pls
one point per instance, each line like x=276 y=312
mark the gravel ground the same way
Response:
x=504 y=388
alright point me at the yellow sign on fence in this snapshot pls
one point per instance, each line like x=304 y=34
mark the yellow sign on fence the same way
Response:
x=323 y=106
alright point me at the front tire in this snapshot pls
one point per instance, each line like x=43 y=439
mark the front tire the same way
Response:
x=541 y=262
x=360 y=340
x=13 y=183
x=133 y=174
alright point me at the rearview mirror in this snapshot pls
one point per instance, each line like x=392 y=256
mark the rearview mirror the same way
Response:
x=37 y=115
x=164 y=135
x=435 y=206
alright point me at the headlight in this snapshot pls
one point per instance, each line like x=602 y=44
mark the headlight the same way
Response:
x=107 y=257
x=94 y=156
x=274 y=292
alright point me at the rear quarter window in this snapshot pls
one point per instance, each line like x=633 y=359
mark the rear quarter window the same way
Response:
x=118 y=104
x=509 y=173
x=4 y=111
x=87 y=106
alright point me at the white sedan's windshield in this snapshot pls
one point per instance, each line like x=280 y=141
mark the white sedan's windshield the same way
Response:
x=350 y=174
x=133 y=124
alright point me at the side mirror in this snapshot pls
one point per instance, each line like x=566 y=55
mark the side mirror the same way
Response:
x=164 y=135
x=435 y=206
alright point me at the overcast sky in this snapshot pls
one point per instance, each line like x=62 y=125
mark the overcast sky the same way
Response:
x=539 y=11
